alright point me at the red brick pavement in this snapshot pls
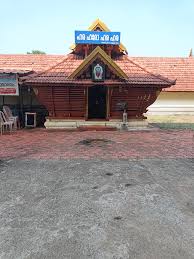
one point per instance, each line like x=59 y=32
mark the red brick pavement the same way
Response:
x=43 y=144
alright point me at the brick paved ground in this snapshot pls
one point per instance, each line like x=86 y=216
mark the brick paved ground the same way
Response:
x=42 y=144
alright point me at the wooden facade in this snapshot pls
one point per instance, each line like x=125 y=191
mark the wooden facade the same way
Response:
x=69 y=102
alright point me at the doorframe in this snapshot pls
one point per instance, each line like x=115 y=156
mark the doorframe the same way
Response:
x=86 y=102
x=107 y=103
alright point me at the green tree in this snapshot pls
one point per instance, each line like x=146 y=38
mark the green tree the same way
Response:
x=36 y=51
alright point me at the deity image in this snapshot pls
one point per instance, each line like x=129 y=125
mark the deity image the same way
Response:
x=98 y=72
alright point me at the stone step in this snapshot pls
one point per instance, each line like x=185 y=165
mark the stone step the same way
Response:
x=96 y=128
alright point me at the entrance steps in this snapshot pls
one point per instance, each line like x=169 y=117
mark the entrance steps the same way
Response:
x=94 y=125
x=96 y=128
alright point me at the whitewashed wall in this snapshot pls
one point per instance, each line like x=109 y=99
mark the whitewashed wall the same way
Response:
x=173 y=103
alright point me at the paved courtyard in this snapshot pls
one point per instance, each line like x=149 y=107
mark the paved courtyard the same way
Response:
x=43 y=144
x=101 y=195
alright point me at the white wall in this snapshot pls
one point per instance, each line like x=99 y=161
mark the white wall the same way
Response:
x=173 y=103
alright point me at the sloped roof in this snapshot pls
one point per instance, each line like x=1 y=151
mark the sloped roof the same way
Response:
x=139 y=74
x=181 y=69
x=178 y=68
x=27 y=62
x=126 y=69
x=58 y=73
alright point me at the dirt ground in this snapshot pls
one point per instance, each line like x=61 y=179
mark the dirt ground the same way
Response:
x=101 y=195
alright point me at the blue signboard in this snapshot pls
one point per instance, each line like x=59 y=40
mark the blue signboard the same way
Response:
x=97 y=37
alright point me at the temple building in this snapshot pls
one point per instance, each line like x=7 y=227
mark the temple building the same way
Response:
x=97 y=82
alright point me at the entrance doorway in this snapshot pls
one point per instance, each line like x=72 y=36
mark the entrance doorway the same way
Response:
x=97 y=102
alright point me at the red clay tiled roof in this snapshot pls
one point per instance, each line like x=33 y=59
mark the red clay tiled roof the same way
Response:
x=181 y=69
x=28 y=62
x=58 y=73
x=136 y=74
x=139 y=74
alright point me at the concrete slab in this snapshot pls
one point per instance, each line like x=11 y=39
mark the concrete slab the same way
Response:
x=101 y=209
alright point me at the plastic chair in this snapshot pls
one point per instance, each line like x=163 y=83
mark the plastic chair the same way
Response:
x=1 y=127
x=8 y=114
x=1 y=124
x=5 y=123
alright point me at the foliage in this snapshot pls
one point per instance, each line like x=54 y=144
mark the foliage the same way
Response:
x=36 y=51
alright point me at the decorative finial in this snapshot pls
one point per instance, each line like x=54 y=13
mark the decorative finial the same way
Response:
x=191 y=53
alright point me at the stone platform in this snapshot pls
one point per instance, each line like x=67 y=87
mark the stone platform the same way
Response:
x=80 y=124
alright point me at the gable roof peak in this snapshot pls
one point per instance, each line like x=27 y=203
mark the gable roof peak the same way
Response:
x=98 y=23
x=99 y=52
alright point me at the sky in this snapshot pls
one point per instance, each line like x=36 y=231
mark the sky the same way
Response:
x=148 y=27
